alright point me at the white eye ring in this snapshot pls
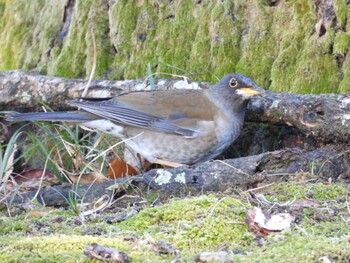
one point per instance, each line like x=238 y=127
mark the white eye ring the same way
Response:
x=233 y=83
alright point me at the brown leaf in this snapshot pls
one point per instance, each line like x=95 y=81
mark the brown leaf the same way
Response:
x=140 y=3
x=118 y=169
x=87 y=178
x=33 y=179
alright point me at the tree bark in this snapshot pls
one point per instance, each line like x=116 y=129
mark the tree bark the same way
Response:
x=24 y=91
x=325 y=117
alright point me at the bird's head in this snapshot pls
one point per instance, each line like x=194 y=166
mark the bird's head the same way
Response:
x=233 y=91
x=239 y=84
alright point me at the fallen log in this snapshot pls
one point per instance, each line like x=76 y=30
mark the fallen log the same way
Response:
x=325 y=117
x=223 y=176
x=24 y=91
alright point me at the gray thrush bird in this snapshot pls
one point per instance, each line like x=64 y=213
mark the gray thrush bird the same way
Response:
x=168 y=126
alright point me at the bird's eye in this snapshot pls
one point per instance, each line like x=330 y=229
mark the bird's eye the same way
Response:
x=233 y=83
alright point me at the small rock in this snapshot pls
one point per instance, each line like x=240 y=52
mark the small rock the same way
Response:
x=208 y=257
x=164 y=247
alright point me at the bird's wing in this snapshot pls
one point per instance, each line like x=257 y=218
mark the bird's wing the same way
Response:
x=192 y=103
x=157 y=111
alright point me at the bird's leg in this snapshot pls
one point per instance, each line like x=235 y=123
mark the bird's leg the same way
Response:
x=135 y=160
x=140 y=163
x=168 y=163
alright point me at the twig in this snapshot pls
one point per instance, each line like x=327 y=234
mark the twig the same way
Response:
x=93 y=69
x=258 y=188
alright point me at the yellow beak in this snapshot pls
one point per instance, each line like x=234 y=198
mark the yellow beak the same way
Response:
x=248 y=91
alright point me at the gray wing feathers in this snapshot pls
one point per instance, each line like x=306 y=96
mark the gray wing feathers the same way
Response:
x=51 y=116
x=126 y=114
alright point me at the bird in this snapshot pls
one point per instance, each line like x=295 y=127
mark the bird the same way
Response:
x=168 y=127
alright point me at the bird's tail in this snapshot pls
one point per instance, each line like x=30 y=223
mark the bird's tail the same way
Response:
x=51 y=116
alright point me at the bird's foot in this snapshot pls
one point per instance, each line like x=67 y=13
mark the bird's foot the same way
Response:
x=168 y=163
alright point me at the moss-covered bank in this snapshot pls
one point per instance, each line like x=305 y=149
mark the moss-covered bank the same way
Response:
x=298 y=46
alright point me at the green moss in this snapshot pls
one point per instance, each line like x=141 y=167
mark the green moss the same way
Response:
x=258 y=49
x=185 y=35
x=341 y=11
x=297 y=248
x=276 y=45
x=71 y=248
x=2 y=9
x=189 y=224
x=31 y=41
x=194 y=223
x=300 y=191
x=344 y=85
x=347 y=27
x=27 y=29
x=75 y=59
x=335 y=228
x=303 y=64
x=121 y=33
x=8 y=225
x=341 y=43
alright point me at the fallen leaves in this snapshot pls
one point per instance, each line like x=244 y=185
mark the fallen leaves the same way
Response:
x=31 y=180
x=118 y=168
x=263 y=223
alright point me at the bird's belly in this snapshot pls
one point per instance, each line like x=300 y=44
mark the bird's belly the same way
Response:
x=178 y=148
x=175 y=148
x=171 y=147
x=105 y=126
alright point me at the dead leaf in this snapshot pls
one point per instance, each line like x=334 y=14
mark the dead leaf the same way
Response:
x=88 y=178
x=36 y=213
x=5 y=133
x=33 y=179
x=262 y=223
x=35 y=174
x=140 y=3
x=118 y=169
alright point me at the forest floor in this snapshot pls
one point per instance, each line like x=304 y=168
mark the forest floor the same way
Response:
x=210 y=227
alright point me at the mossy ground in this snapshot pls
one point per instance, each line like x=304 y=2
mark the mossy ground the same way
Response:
x=191 y=225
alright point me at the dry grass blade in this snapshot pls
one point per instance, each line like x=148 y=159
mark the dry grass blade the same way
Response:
x=9 y=164
x=7 y=160
x=93 y=69
x=41 y=179
x=102 y=203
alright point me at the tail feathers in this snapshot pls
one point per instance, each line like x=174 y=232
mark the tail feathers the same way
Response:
x=51 y=116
